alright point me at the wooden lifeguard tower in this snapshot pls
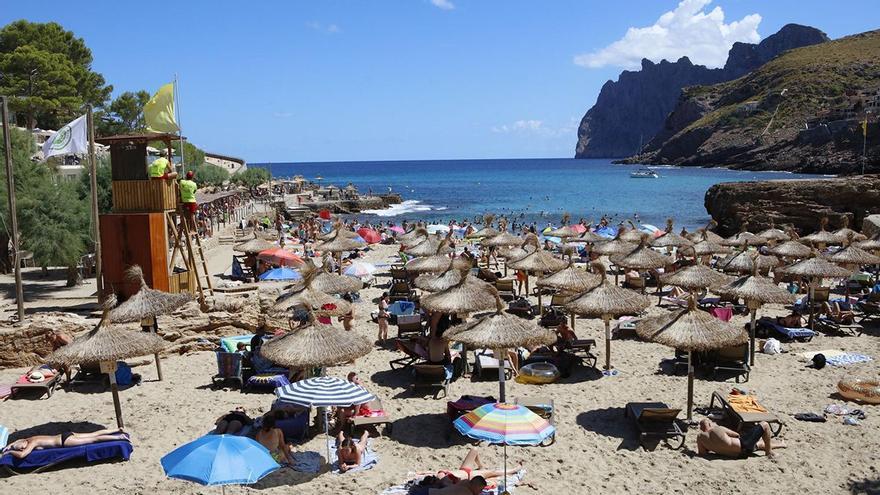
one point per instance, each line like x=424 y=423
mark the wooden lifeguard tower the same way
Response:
x=143 y=226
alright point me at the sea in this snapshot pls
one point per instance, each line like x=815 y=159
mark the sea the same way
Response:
x=528 y=190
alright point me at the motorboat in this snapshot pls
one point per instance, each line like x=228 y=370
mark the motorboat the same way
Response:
x=644 y=173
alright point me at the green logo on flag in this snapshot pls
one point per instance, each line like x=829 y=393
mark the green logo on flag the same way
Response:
x=61 y=138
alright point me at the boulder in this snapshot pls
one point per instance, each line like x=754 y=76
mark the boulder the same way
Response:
x=871 y=225
x=27 y=345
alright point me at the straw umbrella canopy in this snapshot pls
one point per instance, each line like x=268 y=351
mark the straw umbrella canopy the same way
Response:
x=630 y=235
x=303 y=295
x=469 y=295
x=487 y=230
x=745 y=261
x=755 y=291
x=589 y=237
x=614 y=246
x=512 y=253
x=254 y=246
x=743 y=238
x=435 y=283
x=565 y=231
x=872 y=244
x=413 y=237
x=146 y=305
x=816 y=268
x=429 y=246
x=791 y=249
x=500 y=331
x=847 y=233
x=326 y=282
x=503 y=239
x=436 y=264
x=704 y=233
x=691 y=330
x=106 y=344
x=670 y=238
x=538 y=262
x=852 y=255
x=822 y=237
x=337 y=243
x=695 y=277
x=606 y=301
x=642 y=257
x=773 y=235
x=570 y=279
x=706 y=247
x=315 y=345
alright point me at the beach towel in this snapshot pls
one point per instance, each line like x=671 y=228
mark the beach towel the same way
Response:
x=306 y=462
x=847 y=358
x=723 y=314
x=4 y=436
x=493 y=489
x=369 y=459
x=828 y=353
x=93 y=452
x=745 y=403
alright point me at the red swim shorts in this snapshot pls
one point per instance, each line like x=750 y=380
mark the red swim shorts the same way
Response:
x=191 y=207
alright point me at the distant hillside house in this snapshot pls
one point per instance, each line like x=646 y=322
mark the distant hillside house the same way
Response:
x=230 y=163
x=69 y=167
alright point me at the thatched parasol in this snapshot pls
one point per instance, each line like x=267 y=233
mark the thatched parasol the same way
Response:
x=572 y=280
x=467 y=296
x=773 y=235
x=614 y=246
x=436 y=283
x=326 y=282
x=695 y=277
x=744 y=238
x=755 y=291
x=565 y=231
x=606 y=301
x=847 y=233
x=589 y=237
x=254 y=246
x=337 y=243
x=691 y=330
x=430 y=246
x=852 y=255
x=413 y=237
x=512 y=253
x=816 y=268
x=504 y=239
x=487 y=230
x=500 y=331
x=642 y=257
x=538 y=262
x=303 y=295
x=146 y=305
x=704 y=233
x=630 y=235
x=106 y=344
x=670 y=238
x=745 y=262
x=822 y=237
x=791 y=249
x=315 y=345
x=705 y=247
x=436 y=264
x=872 y=244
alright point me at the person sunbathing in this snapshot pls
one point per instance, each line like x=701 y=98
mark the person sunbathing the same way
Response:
x=473 y=486
x=841 y=313
x=273 y=439
x=723 y=441
x=350 y=454
x=232 y=422
x=21 y=448
x=470 y=469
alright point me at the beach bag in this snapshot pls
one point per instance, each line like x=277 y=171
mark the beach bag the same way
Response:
x=772 y=346
x=124 y=376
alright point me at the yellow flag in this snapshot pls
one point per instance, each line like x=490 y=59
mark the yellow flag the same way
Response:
x=159 y=111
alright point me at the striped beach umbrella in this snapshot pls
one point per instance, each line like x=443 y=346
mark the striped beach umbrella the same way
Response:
x=507 y=424
x=323 y=391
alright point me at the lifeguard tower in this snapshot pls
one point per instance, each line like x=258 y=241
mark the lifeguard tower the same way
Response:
x=146 y=226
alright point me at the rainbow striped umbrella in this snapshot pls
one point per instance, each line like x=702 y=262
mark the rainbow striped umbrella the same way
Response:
x=508 y=424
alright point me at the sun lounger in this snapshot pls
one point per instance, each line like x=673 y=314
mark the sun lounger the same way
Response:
x=738 y=420
x=229 y=365
x=41 y=459
x=734 y=359
x=378 y=417
x=465 y=404
x=401 y=291
x=38 y=389
x=413 y=353
x=409 y=325
x=431 y=376
x=787 y=333
x=543 y=407
x=656 y=420
x=486 y=363
x=505 y=289
x=583 y=348
x=830 y=325
x=267 y=380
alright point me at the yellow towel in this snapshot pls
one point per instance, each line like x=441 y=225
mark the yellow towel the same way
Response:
x=745 y=404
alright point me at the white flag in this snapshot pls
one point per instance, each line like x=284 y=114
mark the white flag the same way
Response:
x=71 y=139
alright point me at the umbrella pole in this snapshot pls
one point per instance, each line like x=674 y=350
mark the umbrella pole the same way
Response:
x=502 y=358
x=505 y=466
x=114 y=389
x=607 y=343
x=690 y=387
x=754 y=312
x=572 y=320
x=810 y=301
x=155 y=330
x=327 y=433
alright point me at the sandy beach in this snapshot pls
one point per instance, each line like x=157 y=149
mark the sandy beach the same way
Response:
x=596 y=446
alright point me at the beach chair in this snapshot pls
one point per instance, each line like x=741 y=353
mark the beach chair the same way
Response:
x=739 y=419
x=431 y=376
x=634 y=282
x=410 y=325
x=378 y=417
x=36 y=389
x=505 y=289
x=583 y=348
x=42 y=459
x=869 y=308
x=734 y=359
x=413 y=353
x=398 y=275
x=543 y=407
x=486 y=363
x=522 y=308
x=830 y=325
x=656 y=420
x=294 y=427
x=801 y=334
x=229 y=368
x=401 y=291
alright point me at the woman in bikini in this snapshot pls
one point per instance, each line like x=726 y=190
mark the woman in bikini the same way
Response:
x=232 y=422
x=350 y=454
x=273 y=439
x=470 y=467
x=21 y=448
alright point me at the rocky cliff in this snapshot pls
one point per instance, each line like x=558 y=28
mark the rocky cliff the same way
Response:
x=798 y=202
x=802 y=111
x=629 y=112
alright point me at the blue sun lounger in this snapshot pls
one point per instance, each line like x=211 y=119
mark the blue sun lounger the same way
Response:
x=789 y=333
x=41 y=459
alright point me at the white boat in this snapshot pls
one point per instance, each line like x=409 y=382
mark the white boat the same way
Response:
x=644 y=173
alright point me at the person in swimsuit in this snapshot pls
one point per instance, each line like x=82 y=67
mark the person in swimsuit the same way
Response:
x=383 y=318
x=21 y=448
x=350 y=454
x=723 y=441
x=471 y=468
x=232 y=422
x=273 y=439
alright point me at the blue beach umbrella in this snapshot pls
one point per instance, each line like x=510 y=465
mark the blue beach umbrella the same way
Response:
x=220 y=460
x=282 y=273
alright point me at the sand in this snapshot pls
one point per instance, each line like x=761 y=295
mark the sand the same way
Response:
x=596 y=447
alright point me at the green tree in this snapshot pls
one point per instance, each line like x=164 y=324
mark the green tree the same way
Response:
x=105 y=196
x=49 y=69
x=210 y=175
x=124 y=115
x=251 y=177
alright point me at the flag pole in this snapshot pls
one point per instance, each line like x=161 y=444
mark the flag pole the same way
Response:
x=93 y=172
x=179 y=127
x=13 y=217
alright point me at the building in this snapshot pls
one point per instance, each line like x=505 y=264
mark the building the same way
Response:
x=69 y=167
x=230 y=163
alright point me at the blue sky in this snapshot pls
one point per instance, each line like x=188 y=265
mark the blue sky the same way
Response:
x=405 y=79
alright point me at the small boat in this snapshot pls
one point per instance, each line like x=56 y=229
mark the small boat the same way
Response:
x=644 y=173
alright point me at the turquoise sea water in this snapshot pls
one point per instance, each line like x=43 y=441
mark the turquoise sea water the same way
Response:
x=539 y=190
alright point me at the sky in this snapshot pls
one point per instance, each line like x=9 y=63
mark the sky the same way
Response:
x=299 y=81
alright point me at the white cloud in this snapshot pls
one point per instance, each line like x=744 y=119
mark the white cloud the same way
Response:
x=327 y=29
x=443 y=4
x=536 y=127
x=686 y=31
